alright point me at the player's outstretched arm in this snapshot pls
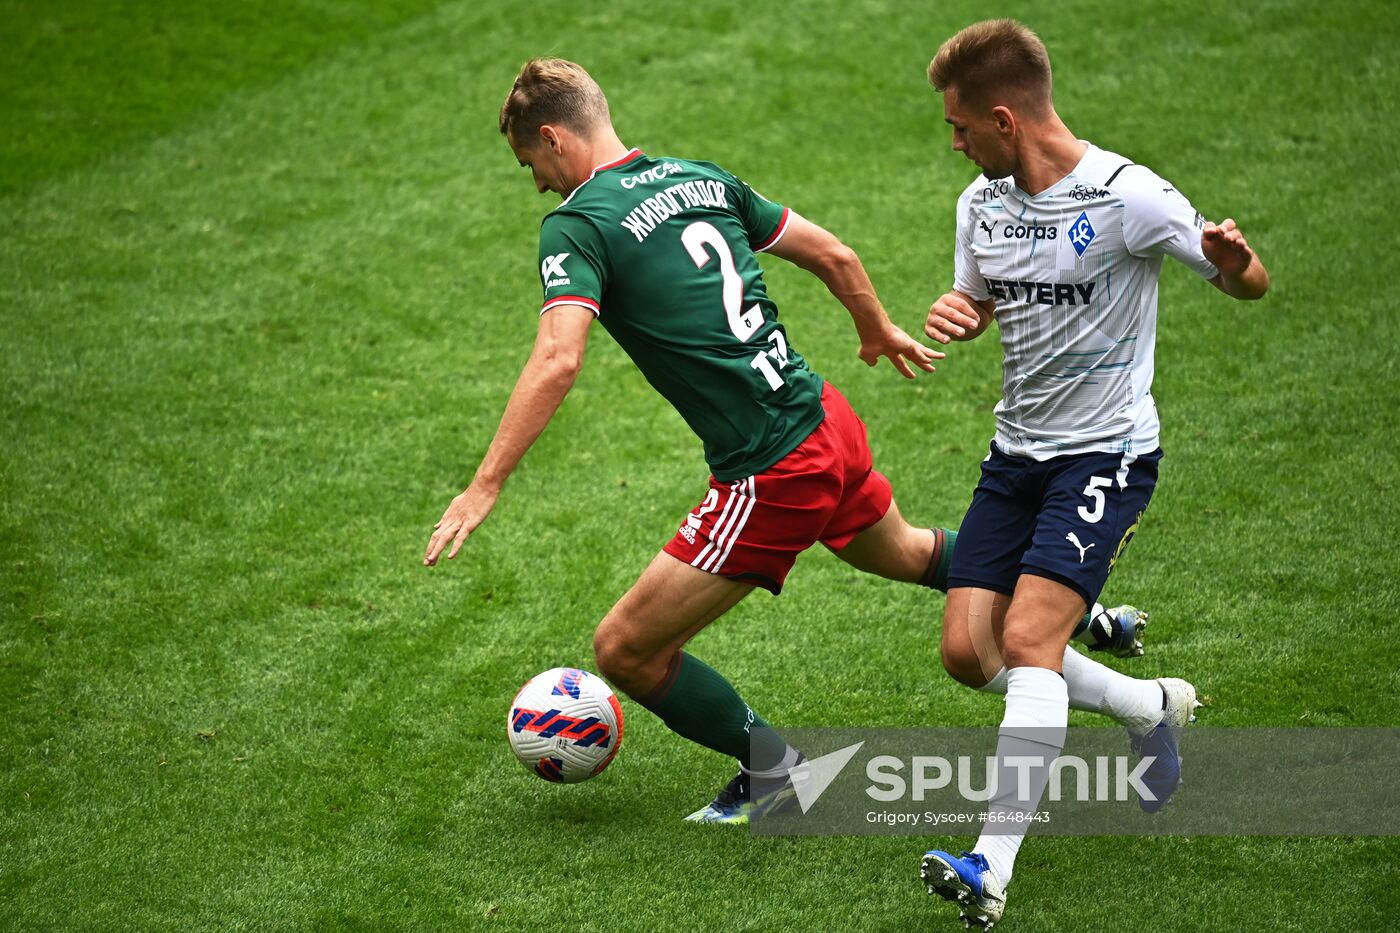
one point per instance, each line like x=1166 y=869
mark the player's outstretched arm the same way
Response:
x=548 y=376
x=819 y=252
x=1242 y=274
x=955 y=316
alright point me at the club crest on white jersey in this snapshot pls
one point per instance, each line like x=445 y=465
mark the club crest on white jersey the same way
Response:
x=1081 y=233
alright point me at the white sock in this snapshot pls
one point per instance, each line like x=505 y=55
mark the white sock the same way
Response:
x=1097 y=688
x=1136 y=704
x=1037 y=714
x=996 y=685
x=779 y=770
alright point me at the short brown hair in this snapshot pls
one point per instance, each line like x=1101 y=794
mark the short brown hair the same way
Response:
x=991 y=59
x=552 y=90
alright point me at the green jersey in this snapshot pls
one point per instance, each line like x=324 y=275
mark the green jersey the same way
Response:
x=663 y=252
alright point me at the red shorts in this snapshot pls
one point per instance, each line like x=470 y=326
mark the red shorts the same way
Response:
x=752 y=529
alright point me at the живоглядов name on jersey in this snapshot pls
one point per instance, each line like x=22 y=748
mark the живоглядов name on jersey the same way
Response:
x=645 y=217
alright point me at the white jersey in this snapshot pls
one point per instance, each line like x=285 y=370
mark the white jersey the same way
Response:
x=1073 y=271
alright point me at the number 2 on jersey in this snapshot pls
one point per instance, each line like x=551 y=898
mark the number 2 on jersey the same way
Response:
x=742 y=323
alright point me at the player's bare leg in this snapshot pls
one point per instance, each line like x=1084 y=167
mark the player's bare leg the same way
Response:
x=892 y=548
x=1153 y=711
x=971 y=651
x=1038 y=623
x=670 y=602
x=896 y=550
x=638 y=647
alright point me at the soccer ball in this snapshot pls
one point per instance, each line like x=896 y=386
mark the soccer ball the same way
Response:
x=565 y=725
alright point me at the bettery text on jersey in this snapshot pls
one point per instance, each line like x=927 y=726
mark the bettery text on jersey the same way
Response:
x=1041 y=293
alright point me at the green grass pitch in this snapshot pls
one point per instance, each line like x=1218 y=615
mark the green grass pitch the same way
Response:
x=267 y=273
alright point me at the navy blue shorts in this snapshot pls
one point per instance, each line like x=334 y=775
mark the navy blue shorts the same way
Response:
x=1067 y=519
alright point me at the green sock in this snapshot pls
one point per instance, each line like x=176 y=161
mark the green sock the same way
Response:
x=696 y=702
x=936 y=576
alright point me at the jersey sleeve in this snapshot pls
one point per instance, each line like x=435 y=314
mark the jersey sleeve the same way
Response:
x=573 y=263
x=764 y=221
x=967 y=278
x=1158 y=220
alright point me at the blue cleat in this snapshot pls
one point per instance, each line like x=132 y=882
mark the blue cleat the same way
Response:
x=967 y=881
x=1118 y=631
x=740 y=800
x=731 y=805
x=1164 y=774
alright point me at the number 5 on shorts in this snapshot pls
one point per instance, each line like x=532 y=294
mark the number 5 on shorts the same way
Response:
x=1094 y=493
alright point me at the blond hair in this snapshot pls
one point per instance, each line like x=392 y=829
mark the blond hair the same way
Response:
x=552 y=91
x=994 y=61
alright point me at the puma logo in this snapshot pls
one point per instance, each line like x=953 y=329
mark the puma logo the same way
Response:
x=987 y=227
x=1073 y=538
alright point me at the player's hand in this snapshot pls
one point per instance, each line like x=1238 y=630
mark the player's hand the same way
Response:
x=462 y=517
x=899 y=348
x=952 y=317
x=1226 y=247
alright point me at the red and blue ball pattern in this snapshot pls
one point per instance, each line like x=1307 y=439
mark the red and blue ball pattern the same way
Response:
x=565 y=725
